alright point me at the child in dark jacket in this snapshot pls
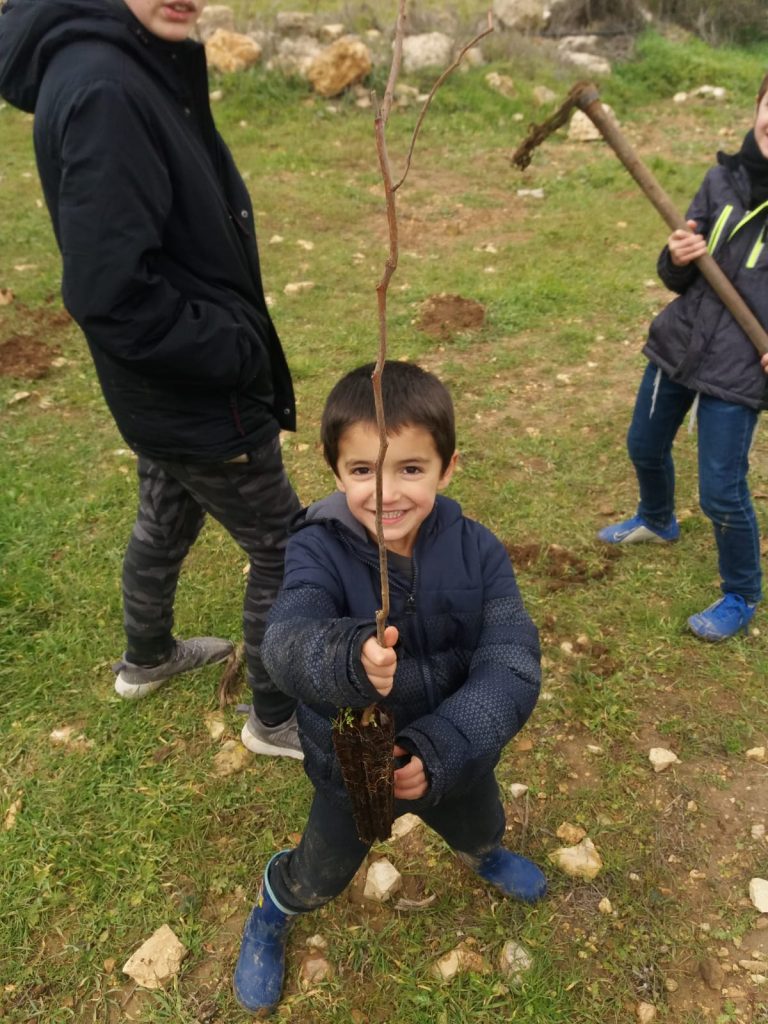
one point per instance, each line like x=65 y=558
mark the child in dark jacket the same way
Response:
x=459 y=672
x=701 y=358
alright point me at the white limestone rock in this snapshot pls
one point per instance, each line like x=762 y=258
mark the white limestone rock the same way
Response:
x=230 y=51
x=343 y=63
x=514 y=961
x=157 y=960
x=661 y=758
x=580 y=861
x=427 y=50
x=382 y=880
x=758 y=893
x=212 y=17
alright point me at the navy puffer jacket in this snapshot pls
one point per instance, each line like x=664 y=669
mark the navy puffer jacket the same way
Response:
x=468 y=655
x=695 y=340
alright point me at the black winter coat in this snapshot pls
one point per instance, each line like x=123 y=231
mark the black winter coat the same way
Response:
x=468 y=671
x=155 y=226
x=695 y=340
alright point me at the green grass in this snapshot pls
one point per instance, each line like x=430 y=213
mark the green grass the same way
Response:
x=134 y=830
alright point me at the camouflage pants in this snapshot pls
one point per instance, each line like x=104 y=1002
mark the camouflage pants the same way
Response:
x=255 y=502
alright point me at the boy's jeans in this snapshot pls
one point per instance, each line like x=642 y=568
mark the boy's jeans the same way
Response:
x=254 y=501
x=725 y=437
x=329 y=854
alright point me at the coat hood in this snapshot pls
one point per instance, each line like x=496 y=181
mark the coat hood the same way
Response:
x=33 y=31
x=333 y=511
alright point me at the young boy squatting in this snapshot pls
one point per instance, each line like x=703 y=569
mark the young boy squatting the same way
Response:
x=460 y=672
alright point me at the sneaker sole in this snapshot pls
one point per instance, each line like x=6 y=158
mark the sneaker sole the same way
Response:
x=256 y=746
x=135 y=691
x=640 y=535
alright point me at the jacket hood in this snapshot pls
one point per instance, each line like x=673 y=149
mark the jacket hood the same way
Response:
x=333 y=511
x=33 y=31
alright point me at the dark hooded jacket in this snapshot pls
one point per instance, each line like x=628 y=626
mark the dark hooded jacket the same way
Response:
x=695 y=340
x=468 y=654
x=155 y=227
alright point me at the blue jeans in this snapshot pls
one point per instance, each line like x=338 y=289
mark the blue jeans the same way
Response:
x=725 y=437
x=330 y=852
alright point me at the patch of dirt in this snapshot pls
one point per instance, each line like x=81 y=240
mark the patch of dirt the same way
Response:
x=22 y=356
x=558 y=566
x=442 y=316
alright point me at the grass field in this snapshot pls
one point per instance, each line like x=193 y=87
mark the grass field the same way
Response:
x=127 y=826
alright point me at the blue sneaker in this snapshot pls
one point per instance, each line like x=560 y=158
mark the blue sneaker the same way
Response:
x=637 y=531
x=723 y=619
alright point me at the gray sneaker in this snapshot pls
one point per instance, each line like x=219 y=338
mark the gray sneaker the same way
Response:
x=136 y=681
x=278 y=740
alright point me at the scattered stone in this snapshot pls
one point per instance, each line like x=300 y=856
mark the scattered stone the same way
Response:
x=304 y=244
x=68 y=736
x=680 y=97
x=758 y=893
x=697 y=876
x=314 y=969
x=757 y=754
x=19 y=396
x=212 y=17
x=578 y=43
x=502 y=84
x=426 y=50
x=460 y=960
x=645 y=1013
x=342 y=64
x=12 y=814
x=514 y=961
x=758 y=831
x=570 y=834
x=231 y=759
x=593 y=748
x=542 y=95
x=276 y=239
x=295 y=56
x=6 y=296
x=404 y=824
x=589 y=62
x=754 y=965
x=522 y=15
x=580 y=861
x=532 y=193
x=298 y=287
x=715 y=92
x=231 y=51
x=661 y=758
x=517 y=789
x=215 y=723
x=382 y=880
x=671 y=985
x=216 y=95
x=582 y=129
x=605 y=906
x=712 y=973
x=157 y=960
x=330 y=33
x=294 y=23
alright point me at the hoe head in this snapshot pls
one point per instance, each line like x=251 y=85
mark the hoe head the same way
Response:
x=581 y=95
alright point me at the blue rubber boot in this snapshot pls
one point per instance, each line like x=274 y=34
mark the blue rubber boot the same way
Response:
x=723 y=619
x=514 y=875
x=260 y=969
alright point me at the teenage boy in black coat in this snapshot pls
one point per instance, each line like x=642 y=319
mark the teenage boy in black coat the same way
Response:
x=161 y=272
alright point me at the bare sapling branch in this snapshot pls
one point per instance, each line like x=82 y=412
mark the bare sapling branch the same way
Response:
x=433 y=90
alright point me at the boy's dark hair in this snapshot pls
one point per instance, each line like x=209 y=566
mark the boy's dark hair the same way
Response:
x=412 y=398
x=763 y=88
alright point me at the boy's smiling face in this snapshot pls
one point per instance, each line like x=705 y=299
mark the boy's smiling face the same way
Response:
x=412 y=476
x=761 y=125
